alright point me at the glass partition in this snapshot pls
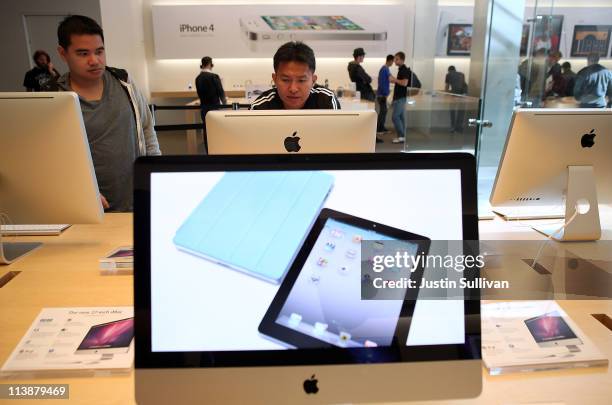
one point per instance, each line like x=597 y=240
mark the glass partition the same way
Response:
x=563 y=41
x=555 y=39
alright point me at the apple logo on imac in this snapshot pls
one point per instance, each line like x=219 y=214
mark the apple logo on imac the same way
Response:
x=588 y=140
x=292 y=143
x=310 y=385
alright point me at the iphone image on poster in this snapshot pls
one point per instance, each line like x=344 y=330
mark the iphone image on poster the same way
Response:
x=276 y=28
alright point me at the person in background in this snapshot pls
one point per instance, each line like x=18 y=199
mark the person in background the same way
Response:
x=554 y=68
x=385 y=78
x=557 y=84
x=210 y=91
x=569 y=77
x=455 y=83
x=295 y=82
x=116 y=115
x=522 y=72
x=533 y=78
x=359 y=76
x=593 y=84
x=517 y=91
x=405 y=79
x=37 y=78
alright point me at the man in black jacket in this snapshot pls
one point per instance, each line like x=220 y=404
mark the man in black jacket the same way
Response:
x=359 y=76
x=295 y=82
x=210 y=90
x=209 y=87
x=405 y=78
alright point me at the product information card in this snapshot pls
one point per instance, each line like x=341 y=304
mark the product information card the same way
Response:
x=534 y=335
x=95 y=338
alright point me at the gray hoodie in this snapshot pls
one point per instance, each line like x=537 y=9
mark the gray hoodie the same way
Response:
x=147 y=138
x=119 y=129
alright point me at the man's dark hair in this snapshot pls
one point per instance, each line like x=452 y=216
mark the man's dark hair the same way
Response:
x=555 y=54
x=390 y=58
x=40 y=52
x=207 y=60
x=451 y=68
x=295 y=52
x=401 y=55
x=77 y=25
x=566 y=65
x=593 y=58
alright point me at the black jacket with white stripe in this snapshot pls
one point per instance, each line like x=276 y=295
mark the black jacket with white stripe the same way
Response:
x=320 y=98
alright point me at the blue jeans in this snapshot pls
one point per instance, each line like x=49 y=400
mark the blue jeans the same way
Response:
x=399 y=116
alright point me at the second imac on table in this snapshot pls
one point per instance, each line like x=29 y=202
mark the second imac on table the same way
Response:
x=284 y=131
x=556 y=164
x=46 y=170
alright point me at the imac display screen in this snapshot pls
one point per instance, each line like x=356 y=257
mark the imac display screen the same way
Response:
x=270 y=260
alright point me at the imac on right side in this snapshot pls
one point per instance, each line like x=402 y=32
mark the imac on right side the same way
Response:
x=46 y=171
x=556 y=164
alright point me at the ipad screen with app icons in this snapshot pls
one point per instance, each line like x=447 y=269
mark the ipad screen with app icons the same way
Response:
x=321 y=301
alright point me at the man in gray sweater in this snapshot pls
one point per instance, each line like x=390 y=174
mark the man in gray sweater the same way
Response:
x=593 y=84
x=116 y=115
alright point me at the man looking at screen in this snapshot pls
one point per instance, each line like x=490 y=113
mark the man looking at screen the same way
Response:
x=116 y=115
x=295 y=82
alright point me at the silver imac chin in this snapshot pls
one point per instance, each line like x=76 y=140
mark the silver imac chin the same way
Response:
x=556 y=163
x=270 y=385
x=46 y=170
x=290 y=131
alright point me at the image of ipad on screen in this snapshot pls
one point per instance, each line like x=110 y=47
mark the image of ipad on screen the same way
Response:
x=325 y=299
x=110 y=337
x=309 y=28
x=551 y=330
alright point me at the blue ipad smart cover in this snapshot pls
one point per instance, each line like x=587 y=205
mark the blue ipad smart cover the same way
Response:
x=255 y=222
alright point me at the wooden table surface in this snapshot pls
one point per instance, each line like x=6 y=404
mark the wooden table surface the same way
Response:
x=64 y=273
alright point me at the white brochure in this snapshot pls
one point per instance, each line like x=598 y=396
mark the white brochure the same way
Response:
x=533 y=335
x=63 y=339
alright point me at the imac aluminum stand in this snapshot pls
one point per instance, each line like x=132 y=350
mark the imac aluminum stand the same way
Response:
x=9 y=252
x=581 y=202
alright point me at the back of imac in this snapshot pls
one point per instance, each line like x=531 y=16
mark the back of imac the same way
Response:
x=532 y=176
x=556 y=164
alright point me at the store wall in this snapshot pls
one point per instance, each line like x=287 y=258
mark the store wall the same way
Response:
x=168 y=75
x=124 y=35
x=13 y=46
x=178 y=74
x=129 y=41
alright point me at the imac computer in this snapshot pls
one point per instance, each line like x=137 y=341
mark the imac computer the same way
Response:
x=556 y=164
x=249 y=285
x=46 y=171
x=290 y=131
